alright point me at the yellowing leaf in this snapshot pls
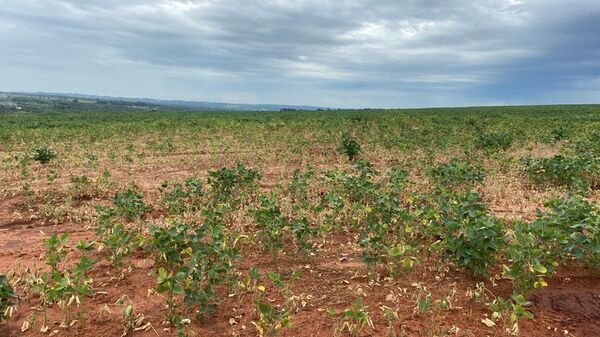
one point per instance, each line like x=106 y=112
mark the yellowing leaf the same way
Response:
x=488 y=322
x=540 y=283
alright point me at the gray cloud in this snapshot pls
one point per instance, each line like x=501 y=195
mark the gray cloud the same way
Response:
x=336 y=53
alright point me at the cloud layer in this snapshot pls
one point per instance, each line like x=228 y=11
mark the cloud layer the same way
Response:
x=353 y=53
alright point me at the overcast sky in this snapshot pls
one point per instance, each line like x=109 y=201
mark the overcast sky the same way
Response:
x=353 y=53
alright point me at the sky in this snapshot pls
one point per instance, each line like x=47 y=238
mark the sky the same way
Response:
x=334 y=53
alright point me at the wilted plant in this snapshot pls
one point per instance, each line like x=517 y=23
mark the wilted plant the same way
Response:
x=353 y=320
x=271 y=320
x=510 y=311
x=391 y=316
x=81 y=187
x=65 y=287
x=422 y=298
x=131 y=321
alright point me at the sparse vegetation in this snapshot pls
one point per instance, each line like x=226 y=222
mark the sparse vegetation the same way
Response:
x=252 y=223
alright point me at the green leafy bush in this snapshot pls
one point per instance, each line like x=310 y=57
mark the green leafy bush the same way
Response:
x=130 y=204
x=589 y=145
x=182 y=197
x=472 y=237
x=571 y=229
x=303 y=231
x=578 y=172
x=191 y=261
x=43 y=155
x=271 y=222
x=529 y=259
x=361 y=187
x=398 y=179
x=558 y=134
x=298 y=187
x=82 y=187
x=226 y=182
x=491 y=141
x=457 y=173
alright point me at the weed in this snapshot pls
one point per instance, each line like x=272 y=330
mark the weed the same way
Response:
x=130 y=204
x=225 y=182
x=350 y=147
x=43 y=155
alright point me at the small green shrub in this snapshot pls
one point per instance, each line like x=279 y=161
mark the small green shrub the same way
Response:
x=350 y=148
x=361 y=187
x=298 y=187
x=398 y=179
x=191 y=261
x=119 y=242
